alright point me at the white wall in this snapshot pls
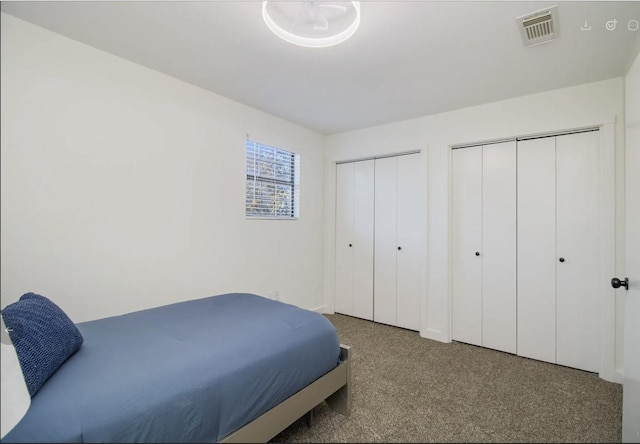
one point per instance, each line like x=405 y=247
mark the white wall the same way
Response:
x=569 y=108
x=631 y=389
x=123 y=188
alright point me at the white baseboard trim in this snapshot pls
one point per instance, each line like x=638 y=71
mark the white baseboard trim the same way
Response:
x=436 y=335
x=614 y=376
x=322 y=310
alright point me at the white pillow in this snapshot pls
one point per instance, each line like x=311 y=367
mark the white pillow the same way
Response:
x=15 y=395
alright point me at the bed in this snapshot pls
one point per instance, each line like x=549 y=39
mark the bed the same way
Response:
x=230 y=368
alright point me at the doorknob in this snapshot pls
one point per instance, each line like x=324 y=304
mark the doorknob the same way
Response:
x=561 y=259
x=617 y=283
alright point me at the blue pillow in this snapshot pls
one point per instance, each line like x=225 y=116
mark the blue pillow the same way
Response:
x=43 y=335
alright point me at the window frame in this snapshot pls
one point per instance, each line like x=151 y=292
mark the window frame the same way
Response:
x=294 y=184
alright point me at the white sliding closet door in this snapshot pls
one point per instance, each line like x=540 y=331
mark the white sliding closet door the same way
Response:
x=354 y=239
x=410 y=225
x=537 y=249
x=484 y=245
x=399 y=245
x=578 y=243
x=498 y=253
x=466 y=221
x=385 y=241
x=526 y=248
x=344 y=237
x=559 y=250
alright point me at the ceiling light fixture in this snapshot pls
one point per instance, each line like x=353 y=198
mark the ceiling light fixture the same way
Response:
x=312 y=24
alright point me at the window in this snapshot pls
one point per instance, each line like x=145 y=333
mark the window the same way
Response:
x=272 y=182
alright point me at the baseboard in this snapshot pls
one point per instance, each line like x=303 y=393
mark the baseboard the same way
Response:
x=436 y=335
x=322 y=310
x=612 y=376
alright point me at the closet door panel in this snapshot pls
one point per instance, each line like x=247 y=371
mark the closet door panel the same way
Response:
x=410 y=248
x=385 y=241
x=343 y=300
x=363 y=201
x=498 y=251
x=536 y=227
x=466 y=217
x=577 y=158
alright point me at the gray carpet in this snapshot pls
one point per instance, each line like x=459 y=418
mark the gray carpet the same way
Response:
x=410 y=389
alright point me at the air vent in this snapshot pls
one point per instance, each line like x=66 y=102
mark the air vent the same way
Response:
x=539 y=27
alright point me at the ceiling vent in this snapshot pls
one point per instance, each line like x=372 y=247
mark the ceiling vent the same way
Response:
x=539 y=27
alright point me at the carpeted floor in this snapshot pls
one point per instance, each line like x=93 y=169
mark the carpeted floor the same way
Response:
x=409 y=389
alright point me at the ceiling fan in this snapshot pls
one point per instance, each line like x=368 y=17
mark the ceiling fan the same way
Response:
x=313 y=24
x=315 y=11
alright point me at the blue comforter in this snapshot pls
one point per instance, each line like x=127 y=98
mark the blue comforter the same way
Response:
x=192 y=371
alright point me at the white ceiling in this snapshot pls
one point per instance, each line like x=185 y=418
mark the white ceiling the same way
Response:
x=407 y=59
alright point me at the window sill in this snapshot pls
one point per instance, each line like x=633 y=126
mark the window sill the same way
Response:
x=270 y=218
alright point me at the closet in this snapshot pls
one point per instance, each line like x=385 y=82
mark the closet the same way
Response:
x=354 y=239
x=379 y=239
x=525 y=248
x=398 y=248
x=558 y=250
x=483 y=212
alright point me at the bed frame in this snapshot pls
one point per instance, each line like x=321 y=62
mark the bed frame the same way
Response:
x=333 y=387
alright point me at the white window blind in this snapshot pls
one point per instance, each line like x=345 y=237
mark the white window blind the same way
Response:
x=272 y=182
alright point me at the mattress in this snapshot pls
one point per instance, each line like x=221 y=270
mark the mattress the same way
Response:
x=192 y=371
